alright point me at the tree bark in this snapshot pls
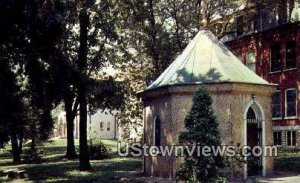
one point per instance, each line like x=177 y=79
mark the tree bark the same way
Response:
x=33 y=144
x=153 y=34
x=82 y=63
x=21 y=144
x=205 y=17
x=71 y=153
x=15 y=148
x=178 y=40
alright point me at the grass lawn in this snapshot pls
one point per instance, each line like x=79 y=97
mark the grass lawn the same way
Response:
x=56 y=169
x=287 y=160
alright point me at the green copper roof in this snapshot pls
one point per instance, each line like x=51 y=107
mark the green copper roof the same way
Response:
x=206 y=60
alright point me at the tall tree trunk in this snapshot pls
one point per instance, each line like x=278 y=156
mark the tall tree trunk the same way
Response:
x=33 y=137
x=84 y=161
x=71 y=153
x=33 y=144
x=205 y=13
x=15 y=148
x=199 y=5
x=153 y=34
x=21 y=144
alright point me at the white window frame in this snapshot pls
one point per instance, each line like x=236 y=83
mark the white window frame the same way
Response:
x=294 y=68
x=278 y=118
x=270 y=59
x=246 y=61
x=278 y=133
x=291 y=117
x=291 y=140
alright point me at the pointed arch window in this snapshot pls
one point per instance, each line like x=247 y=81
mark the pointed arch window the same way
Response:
x=251 y=114
x=156 y=131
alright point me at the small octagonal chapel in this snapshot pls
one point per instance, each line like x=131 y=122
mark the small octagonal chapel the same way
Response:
x=241 y=101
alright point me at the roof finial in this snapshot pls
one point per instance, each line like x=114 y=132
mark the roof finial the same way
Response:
x=204 y=13
x=204 y=23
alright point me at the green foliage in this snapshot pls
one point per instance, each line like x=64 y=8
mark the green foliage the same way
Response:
x=12 y=109
x=202 y=130
x=233 y=164
x=151 y=35
x=39 y=46
x=27 y=48
x=97 y=149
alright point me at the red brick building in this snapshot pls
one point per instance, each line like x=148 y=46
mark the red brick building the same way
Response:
x=270 y=46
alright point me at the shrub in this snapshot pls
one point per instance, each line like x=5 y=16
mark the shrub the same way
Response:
x=97 y=149
x=202 y=129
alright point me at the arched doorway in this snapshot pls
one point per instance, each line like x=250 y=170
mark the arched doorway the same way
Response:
x=254 y=137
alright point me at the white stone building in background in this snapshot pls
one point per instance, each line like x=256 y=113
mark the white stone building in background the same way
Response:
x=102 y=124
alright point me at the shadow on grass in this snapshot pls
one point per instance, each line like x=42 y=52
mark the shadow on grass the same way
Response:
x=56 y=169
x=103 y=170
